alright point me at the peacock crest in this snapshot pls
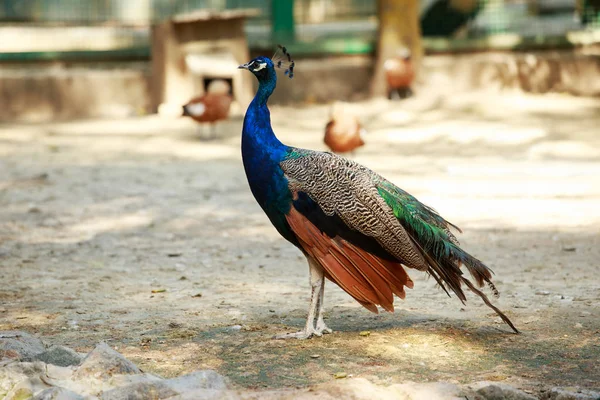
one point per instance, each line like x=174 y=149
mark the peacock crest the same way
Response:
x=282 y=59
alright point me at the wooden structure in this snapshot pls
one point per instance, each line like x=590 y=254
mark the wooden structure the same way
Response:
x=191 y=48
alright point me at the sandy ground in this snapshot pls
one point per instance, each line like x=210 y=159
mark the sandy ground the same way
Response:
x=136 y=233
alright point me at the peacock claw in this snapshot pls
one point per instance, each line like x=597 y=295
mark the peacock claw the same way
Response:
x=322 y=328
x=302 y=335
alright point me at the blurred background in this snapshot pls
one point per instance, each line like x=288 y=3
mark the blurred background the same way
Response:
x=72 y=58
x=119 y=223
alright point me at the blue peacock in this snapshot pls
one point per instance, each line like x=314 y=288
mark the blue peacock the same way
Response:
x=355 y=228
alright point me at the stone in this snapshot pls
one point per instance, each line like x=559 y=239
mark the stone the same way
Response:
x=19 y=345
x=362 y=389
x=430 y=390
x=103 y=362
x=206 y=379
x=20 y=393
x=58 y=373
x=213 y=394
x=500 y=391
x=92 y=386
x=125 y=380
x=57 y=393
x=60 y=355
x=19 y=378
x=140 y=391
x=25 y=388
x=570 y=394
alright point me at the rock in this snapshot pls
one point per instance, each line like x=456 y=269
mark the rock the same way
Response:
x=19 y=393
x=206 y=379
x=92 y=386
x=103 y=362
x=500 y=391
x=433 y=390
x=362 y=389
x=570 y=394
x=125 y=380
x=57 y=393
x=19 y=378
x=28 y=381
x=57 y=373
x=212 y=394
x=19 y=345
x=140 y=391
x=60 y=355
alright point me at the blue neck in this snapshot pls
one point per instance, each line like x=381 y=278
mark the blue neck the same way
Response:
x=262 y=151
x=266 y=87
x=262 y=154
x=258 y=137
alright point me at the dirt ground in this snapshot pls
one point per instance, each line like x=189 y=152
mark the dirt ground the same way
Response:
x=136 y=233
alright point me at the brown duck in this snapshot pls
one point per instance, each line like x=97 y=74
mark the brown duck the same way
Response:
x=343 y=131
x=210 y=107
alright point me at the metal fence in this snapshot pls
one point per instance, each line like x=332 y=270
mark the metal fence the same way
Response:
x=124 y=12
x=314 y=22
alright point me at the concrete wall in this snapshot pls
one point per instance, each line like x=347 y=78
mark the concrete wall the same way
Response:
x=44 y=92
x=532 y=72
x=38 y=92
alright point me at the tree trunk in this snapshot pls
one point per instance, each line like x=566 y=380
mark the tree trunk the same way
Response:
x=398 y=27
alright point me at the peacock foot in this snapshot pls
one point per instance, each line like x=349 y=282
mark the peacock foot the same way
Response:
x=303 y=334
x=322 y=328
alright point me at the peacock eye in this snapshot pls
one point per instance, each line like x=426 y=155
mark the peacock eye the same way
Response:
x=257 y=66
x=252 y=65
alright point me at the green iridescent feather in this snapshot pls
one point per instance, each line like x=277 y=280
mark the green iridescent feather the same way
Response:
x=432 y=234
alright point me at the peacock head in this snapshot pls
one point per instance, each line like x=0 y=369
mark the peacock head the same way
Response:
x=264 y=67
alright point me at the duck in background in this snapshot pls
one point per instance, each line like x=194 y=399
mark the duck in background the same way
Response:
x=399 y=74
x=343 y=131
x=211 y=107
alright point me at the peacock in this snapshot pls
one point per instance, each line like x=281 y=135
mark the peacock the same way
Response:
x=355 y=227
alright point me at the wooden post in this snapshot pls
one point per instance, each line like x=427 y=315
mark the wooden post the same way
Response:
x=398 y=27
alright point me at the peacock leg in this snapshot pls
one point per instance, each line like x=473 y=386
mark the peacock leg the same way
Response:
x=321 y=327
x=316 y=286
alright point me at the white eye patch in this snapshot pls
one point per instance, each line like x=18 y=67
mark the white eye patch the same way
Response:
x=260 y=66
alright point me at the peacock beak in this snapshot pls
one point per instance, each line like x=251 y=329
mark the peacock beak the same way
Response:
x=244 y=66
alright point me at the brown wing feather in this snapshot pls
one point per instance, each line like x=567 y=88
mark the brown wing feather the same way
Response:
x=384 y=294
x=367 y=278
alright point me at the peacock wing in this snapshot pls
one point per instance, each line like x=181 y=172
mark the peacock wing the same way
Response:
x=347 y=190
x=355 y=261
